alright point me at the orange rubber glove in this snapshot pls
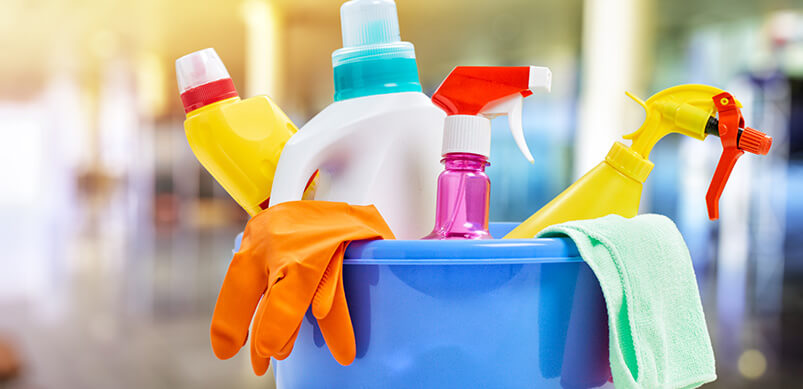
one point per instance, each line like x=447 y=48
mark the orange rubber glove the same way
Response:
x=291 y=253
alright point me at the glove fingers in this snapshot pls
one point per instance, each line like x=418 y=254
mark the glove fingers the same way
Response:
x=337 y=329
x=242 y=288
x=288 y=348
x=285 y=350
x=306 y=268
x=324 y=296
x=259 y=363
x=281 y=311
x=254 y=327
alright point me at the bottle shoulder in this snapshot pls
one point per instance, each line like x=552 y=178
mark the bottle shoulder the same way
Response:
x=388 y=114
x=257 y=105
x=254 y=111
x=377 y=105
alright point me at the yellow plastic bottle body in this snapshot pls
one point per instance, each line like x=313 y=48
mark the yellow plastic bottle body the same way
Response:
x=239 y=142
x=612 y=187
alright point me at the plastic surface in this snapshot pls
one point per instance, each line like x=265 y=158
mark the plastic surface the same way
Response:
x=239 y=142
x=376 y=76
x=373 y=59
x=614 y=186
x=198 y=68
x=606 y=189
x=369 y=22
x=203 y=80
x=382 y=150
x=462 y=314
x=471 y=95
x=683 y=109
x=754 y=141
x=463 y=199
x=379 y=142
x=736 y=139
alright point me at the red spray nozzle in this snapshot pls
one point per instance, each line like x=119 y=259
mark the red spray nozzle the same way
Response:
x=469 y=89
x=471 y=95
x=754 y=141
x=736 y=139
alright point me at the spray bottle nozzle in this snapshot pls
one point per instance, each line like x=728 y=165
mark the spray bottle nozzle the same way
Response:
x=750 y=140
x=688 y=110
x=472 y=95
x=736 y=139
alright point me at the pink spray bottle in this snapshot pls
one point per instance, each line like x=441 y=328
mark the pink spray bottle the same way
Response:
x=471 y=96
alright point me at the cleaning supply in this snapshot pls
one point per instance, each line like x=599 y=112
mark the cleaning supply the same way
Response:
x=614 y=186
x=455 y=314
x=658 y=335
x=471 y=96
x=291 y=257
x=237 y=141
x=379 y=142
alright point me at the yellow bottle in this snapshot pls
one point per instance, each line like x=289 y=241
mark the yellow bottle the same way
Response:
x=614 y=186
x=238 y=141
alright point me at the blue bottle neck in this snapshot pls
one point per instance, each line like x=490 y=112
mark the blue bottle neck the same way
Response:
x=375 y=76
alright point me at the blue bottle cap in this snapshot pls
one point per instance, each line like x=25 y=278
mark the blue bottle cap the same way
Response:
x=373 y=59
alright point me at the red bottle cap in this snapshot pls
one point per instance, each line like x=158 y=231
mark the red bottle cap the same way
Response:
x=206 y=94
x=203 y=79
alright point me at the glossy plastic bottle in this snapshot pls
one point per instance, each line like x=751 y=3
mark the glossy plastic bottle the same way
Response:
x=612 y=187
x=463 y=197
x=470 y=96
x=379 y=142
x=238 y=141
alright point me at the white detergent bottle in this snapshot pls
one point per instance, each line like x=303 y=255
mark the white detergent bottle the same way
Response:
x=379 y=143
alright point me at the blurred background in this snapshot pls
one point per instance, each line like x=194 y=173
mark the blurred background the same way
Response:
x=115 y=240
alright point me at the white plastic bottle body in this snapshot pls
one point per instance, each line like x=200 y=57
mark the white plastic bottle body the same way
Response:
x=382 y=150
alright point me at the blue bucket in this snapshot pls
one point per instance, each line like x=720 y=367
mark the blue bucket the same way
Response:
x=462 y=314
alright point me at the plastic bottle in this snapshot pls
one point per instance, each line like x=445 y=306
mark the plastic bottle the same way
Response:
x=471 y=96
x=464 y=191
x=379 y=142
x=614 y=186
x=237 y=141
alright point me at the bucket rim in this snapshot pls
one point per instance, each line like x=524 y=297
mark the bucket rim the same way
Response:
x=462 y=252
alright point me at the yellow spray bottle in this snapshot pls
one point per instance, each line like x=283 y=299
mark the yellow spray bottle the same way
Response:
x=614 y=186
x=238 y=141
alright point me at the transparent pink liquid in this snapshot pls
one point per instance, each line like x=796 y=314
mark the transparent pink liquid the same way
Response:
x=463 y=197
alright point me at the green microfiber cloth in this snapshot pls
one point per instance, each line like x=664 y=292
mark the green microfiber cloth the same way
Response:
x=658 y=336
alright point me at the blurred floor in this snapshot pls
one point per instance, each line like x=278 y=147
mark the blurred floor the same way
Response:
x=139 y=320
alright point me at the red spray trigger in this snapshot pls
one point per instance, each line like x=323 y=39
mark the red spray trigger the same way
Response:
x=469 y=89
x=472 y=95
x=736 y=139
